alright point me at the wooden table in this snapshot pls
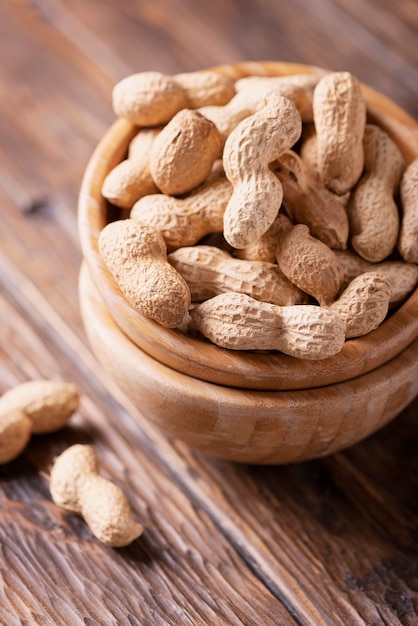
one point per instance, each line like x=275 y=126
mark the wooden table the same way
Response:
x=331 y=541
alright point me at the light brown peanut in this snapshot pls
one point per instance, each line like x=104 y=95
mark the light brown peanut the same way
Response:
x=265 y=248
x=15 y=432
x=298 y=88
x=326 y=217
x=257 y=141
x=340 y=117
x=131 y=179
x=184 y=152
x=33 y=407
x=364 y=304
x=309 y=155
x=372 y=211
x=152 y=98
x=206 y=88
x=310 y=264
x=408 y=234
x=140 y=145
x=76 y=485
x=227 y=117
x=250 y=98
x=136 y=256
x=238 y=322
x=183 y=222
x=403 y=277
x=210 y=271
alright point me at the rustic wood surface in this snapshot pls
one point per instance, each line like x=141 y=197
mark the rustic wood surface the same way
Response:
x=332 y=541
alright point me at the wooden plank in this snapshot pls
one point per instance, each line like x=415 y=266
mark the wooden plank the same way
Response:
x=44 y=245
x=369 y=41
x=326 y=542
x=173 y=570
x=197 y=36
x=378 y=61
x=395 y=31
x=281 y=555
x=333 y=522
x=53 y=111
x=282 y=584
x=166 y=36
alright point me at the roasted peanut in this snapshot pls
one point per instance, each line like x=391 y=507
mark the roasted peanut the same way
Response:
x=238 y=322
x=183 y=222
x=206 y=88
x=227 y=117
x=326 y=217
x=136 y=256
x=310 y=264
x=257 y=141
x=15 y=432
x=127 y=182
x=340 y=117
x=372 y=211
x=250 y=96
x=210 y=271
x=131 y=179
x=309 y=155
x=408 y=235
x=184 y=152
x=152 y=98
x=76 y=486
x=403 y=277
x=298 y=88
x=33 y=407
x=265 y=248
x=364 y=304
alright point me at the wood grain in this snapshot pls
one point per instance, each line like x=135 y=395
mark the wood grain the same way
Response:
x=154 y=577
x=331 y=541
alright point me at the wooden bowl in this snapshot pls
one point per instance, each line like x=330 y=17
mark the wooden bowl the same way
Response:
x=197 y=357
x=259 y=407
x=243 y=425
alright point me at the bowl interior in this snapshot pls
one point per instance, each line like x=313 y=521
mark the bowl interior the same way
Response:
x=197 y=357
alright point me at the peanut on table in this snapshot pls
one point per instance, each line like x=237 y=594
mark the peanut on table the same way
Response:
x=313 y=210
x=45 y=406
x=77 y=486
x=33 y=407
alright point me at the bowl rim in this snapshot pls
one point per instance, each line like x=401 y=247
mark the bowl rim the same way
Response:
x=197 y=357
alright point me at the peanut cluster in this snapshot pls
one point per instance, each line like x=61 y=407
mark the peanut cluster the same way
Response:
x=267 y=211
x=41 y=406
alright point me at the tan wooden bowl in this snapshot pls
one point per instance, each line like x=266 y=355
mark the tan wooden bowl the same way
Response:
x=243 y=425
x=260 y=407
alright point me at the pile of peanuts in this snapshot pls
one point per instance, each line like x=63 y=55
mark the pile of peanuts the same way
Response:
x=41 y=406
x=265 y=213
